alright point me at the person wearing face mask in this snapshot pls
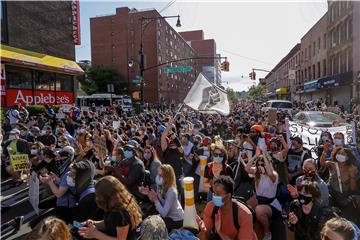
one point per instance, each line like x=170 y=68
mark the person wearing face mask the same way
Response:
x=172 y=153
x=266 y=182
x=310 y=174
x=343 y=180
x=152 y=163
x=34 y=134
x=85 y=136
x=339 y=141
x=133 y=174
x=12 y=146
x=47 y=137
x=64 y=190
x=216 y=168
x=219 y=221
x=295 y=158
x=307 y=217
x=166 y=198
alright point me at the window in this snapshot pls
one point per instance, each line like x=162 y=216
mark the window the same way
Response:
x=113 y=60
x=318 y=70
x=324 y=41
x=65 y=81
x=324 y=67
x=306 y=75
x=132 y=33
x=112 y=33
x=18 y=77
x=44 y=80
x=319 y=41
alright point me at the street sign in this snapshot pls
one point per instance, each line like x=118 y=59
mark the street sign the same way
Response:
x=178 y=69
x=292 y=74
x=138 y=79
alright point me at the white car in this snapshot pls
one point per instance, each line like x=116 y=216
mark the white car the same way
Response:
x=282 y=105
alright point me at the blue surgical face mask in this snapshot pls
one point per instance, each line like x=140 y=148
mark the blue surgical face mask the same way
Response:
x=324 y=138
x=338 y=142
x=217 y=200
x=128 y=154
x=113 y=159
x=159 y=180
x=218 y=159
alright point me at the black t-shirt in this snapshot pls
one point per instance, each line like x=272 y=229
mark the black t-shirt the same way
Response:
x=295 y=160
x=173 y=158
x=118 y=218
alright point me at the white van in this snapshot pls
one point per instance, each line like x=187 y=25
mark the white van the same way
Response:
x=283 y=105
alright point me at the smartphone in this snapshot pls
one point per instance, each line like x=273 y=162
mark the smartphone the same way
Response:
x=76 y=224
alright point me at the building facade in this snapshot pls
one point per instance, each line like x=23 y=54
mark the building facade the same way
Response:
x=38 y=52
x=327 y=65
x=211 y=68
x=115 y=40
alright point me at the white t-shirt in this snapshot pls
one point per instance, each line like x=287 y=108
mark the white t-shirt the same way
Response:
x=267 y=188
x=14 y=116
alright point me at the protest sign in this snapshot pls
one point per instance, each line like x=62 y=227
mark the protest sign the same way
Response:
x=100 y=146
x=20 y=162
x=116 y=124
x=34 y=193
x=311 y=135
x=60 y=115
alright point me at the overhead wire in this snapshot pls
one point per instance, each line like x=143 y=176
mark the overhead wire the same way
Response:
x=249 y=58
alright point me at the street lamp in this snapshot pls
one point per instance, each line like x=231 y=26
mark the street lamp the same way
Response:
x=144 y=23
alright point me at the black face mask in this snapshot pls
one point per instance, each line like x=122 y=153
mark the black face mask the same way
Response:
x=304 y=200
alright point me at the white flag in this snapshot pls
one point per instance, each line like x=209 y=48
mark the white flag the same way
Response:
x=207 y=97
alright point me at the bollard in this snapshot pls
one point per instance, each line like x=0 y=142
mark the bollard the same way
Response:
x=203 y=162
x=190 y=211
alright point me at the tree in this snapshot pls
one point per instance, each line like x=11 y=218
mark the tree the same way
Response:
x=97 y=77
x=232 y=95
x=256 y=92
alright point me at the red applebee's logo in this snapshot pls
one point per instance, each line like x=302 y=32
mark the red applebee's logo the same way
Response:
x=41 y=99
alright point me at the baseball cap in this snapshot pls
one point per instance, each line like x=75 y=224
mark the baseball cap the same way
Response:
x=14 y=131
x=132 y=144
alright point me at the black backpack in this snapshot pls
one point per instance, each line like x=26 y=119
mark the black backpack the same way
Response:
x=235 y=202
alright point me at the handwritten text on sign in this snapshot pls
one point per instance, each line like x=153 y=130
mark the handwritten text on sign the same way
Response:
x=20 y=162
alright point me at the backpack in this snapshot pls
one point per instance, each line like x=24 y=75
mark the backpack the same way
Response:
x=235 y=202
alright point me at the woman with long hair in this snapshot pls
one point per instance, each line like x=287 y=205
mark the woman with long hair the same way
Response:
x=152 y=163
x=266 y=181
x=166 y=198
x=50 y=228
x=217 y=167
x=121 y=213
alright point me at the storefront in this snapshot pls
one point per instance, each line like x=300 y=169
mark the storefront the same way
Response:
x=310 y=89
x=282 y=93
x=337 y=88
x=32 y=78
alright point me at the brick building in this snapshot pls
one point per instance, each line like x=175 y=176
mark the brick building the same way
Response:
x=328 y=63
x=205 y=47
x=38 y=52
x=115 y=39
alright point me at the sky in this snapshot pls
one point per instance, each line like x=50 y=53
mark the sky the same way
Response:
x=251 y=34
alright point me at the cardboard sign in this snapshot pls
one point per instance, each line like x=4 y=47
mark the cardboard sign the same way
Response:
x=100 y=146
x=20 y=162
x=116 y=124
x=272 y=116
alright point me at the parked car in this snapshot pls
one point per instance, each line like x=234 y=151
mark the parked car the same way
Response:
x=318 y=119
x=281 y=105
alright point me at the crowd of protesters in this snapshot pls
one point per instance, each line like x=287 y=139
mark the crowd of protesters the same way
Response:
x=258 y=185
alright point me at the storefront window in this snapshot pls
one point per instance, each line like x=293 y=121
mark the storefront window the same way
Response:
x=66 y=82
x=17 y=77
x=44 y=80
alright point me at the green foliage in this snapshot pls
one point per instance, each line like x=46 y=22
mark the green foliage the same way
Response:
x=39 y=109
x=97 y=77
x=232 y=95
x=256 y=92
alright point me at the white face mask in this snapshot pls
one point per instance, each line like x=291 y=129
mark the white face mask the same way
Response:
x=340 y=158
x=34 y=151
x=82 y=130
x=43 y=132
x=70 y=181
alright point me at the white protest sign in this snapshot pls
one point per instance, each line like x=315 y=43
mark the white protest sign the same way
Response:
x=311 y=135
x=65 y=108
x=116 y=124
x=34 y=193
x=60 y=115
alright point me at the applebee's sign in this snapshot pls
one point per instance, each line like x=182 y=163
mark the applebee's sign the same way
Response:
x=26 y=97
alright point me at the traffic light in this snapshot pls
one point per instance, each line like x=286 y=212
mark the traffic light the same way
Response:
x=252 y=75
x=225 y=66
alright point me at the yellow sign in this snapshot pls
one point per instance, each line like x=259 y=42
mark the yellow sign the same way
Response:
x=20 y=162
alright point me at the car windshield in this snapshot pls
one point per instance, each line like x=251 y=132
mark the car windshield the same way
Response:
x=281 y=105
x=324 y=117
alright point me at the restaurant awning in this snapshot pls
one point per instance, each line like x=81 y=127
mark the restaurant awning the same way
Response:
x=281 y=91
x=38 y=60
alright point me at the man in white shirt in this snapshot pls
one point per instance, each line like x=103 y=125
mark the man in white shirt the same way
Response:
x=14 y=116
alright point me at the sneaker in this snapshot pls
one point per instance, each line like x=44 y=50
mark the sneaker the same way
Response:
x=267 y=236
x=18 y=222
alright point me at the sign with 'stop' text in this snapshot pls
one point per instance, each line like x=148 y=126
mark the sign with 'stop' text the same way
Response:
x=20 y=162
x=26 y=97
